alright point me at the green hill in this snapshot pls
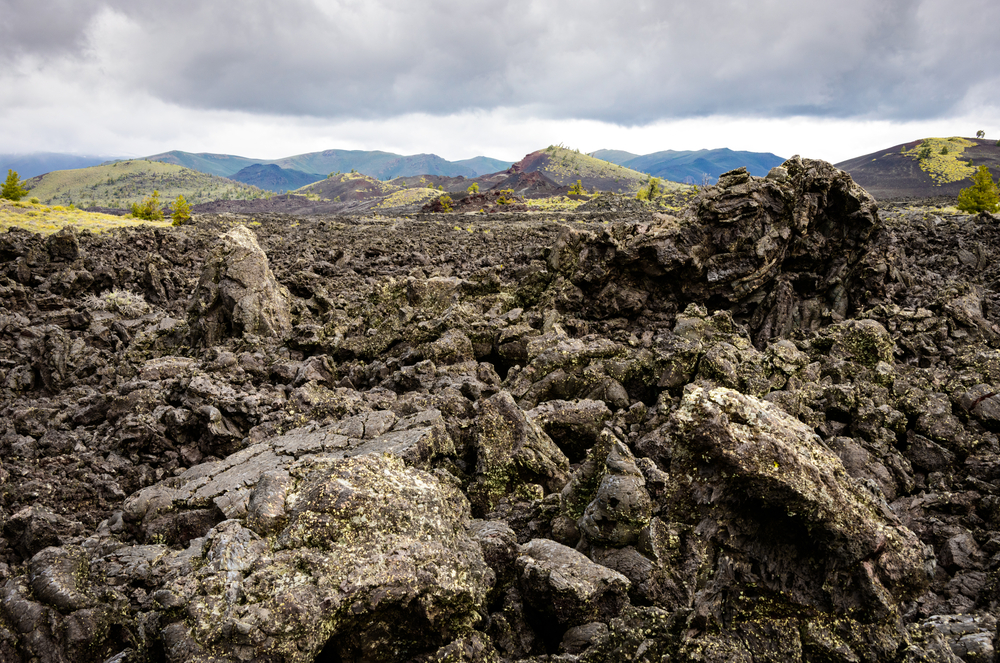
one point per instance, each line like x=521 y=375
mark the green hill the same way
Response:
x=565 y=167
x=222 y=165
x=122 y=183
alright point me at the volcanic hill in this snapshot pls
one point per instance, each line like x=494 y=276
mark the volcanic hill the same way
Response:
x=926 y=168
x=119 y=184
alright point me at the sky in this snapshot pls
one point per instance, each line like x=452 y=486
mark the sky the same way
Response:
x=501 y=78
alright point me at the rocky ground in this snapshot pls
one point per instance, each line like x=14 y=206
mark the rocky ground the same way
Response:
x=763 y=428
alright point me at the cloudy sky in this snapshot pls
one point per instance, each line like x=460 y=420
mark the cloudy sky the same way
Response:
x=259 y=78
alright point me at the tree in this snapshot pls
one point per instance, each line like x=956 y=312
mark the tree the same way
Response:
x=12 y=189
x=149 y=209
x=980 y=134
x=576 y=189
x=925 y=153
x=473 y=188
x=180 y=211
x=982 y=196
x=944 y=150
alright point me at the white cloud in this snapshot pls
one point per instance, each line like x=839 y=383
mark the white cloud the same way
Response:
x=493 y=77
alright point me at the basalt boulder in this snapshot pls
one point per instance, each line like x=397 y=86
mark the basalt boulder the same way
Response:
x=237 y=294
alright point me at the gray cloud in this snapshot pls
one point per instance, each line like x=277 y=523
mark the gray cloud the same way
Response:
x=627 y=62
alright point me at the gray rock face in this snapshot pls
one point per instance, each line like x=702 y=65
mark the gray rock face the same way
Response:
x=237 y=294
x=559 y=581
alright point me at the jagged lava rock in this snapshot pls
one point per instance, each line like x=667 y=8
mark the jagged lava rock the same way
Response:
x=238 y=294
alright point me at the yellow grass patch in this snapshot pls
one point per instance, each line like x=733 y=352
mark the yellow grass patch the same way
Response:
x=46 y=220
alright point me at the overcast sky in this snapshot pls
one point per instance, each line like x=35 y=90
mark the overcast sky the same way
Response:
x=269 y=79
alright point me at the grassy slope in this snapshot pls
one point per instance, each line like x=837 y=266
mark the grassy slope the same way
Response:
x=44 y=219
x=122 y=183
x=565 y=167
x=222 y=165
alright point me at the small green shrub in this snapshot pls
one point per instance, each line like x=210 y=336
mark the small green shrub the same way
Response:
x=651 y=190
x=473 y=188
x=576 y=189
x=180 y=211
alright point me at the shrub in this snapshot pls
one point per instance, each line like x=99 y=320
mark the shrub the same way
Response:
x=944 y=150
x=180 y=211
x=506 y=197
x=576 y=189
x=12 y=188
x=149 y=209
x=924 y=153
x=651 y=190
x=982 y=196
x=124 y=302
x=34 y=201
x=446 y=202
x=473 y=188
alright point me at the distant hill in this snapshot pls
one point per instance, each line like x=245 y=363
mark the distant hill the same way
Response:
x=222 y=165
x=38 y=163
x=377 y=164
x=693 y=166
x=901 y=171
x=119 y=184
x=358 y=193
x=275 y=178
x=564 y=167
x=483 y=165
x=614 y=156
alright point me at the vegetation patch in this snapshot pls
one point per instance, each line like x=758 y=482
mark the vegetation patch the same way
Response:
x=45 y=219
x=941 y=159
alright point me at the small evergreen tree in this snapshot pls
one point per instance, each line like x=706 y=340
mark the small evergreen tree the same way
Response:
x=982 y=196
x=473 y=188
x=149 y=209
x=180 y=211
x=576 y=189
x=12 y=189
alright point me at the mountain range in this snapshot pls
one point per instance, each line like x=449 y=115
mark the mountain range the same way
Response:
x=692 y=166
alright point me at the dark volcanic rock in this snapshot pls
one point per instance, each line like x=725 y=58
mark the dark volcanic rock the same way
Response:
x=763 y=427
x=237 y=293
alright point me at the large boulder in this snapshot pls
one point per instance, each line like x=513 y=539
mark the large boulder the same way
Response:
x=237 y=294
x=789 y=522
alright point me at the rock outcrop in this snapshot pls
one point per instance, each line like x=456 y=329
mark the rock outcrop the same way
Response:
x=237 y=294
